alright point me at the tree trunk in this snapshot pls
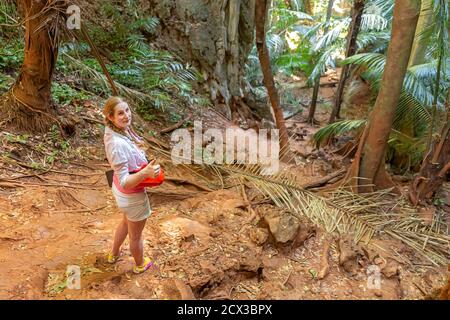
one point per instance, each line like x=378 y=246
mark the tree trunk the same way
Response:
x=419 y=45
x=368 y=167
x=417 y=57
x=263 y=52
x=309 y=7
x=435 y=166
x=215 y=36
x=312 y=107
x=357 y=11
x=28 y=103
x=433 y=171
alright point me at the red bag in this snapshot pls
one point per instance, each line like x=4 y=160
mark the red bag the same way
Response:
x=151 y=182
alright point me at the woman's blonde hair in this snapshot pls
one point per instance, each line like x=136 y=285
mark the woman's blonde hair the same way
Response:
x=108 y=110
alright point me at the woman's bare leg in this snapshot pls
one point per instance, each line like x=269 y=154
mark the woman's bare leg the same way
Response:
x=120 y=235
x=136 y=243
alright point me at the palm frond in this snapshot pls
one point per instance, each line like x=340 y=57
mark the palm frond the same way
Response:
x=337 y=128
x=411 y=113
x=362 y=216
x=148 y=24
x=384 y=8
x=375 y=62
x=314 y=32
x=406 y=147
x=332 y=35
x=377 y=214
x=325 y=60
x=100 y=78
x=137 y=42
x=296 y=14
x=291 y=61
x=378 y=41
x=439 y=28
x=370 y=21
x=275 y=45
x=372 y=61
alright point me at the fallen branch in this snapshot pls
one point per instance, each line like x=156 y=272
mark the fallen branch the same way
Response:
x=25 y=184
x=6 y=238
x=10 y=185
x=15 y=161
x=72 y=182
x=176 y=125
x=103 y=165
x=305 y=86
x=89 y=119
x=324 y=180
x=263 y=201
x=76 y=199
x=158 y=142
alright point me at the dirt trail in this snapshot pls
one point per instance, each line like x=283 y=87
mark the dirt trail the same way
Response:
x=204 y=244
x=204 y=247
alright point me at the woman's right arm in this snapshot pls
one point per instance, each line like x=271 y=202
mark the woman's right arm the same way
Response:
x=119 y=164
x=133 y=180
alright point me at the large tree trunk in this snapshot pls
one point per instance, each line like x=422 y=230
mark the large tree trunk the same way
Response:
x=357 y=11
x=28 y=103
x=216 y=37
x=368 y=167
x=312 y=107
x=435 y=166
x=417 y=56
x=263 y=52
x=419 y=45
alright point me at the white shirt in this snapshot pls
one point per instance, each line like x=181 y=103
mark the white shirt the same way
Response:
x=123 y=155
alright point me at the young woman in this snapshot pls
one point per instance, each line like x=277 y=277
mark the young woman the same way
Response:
x=123 y=152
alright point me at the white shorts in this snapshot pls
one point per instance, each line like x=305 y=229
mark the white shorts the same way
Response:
x=135 y=205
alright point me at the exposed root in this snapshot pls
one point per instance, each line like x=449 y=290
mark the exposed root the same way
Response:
x=24 y=117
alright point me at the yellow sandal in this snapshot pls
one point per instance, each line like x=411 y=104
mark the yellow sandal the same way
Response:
x=144 y=267
x=112 y=258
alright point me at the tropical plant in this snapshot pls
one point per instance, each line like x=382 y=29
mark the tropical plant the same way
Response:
x=363 y=217
x=264 y=58
x=418 y=95
x=374 y=35
x=151 y=78
x=286 y=23
x=27 y=104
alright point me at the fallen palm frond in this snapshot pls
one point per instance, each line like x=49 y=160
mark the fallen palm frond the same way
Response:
x=364 y=216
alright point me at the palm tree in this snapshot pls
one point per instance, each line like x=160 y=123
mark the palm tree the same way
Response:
x=357 y=11
x=260 y=15
x=368 y=167
x=435 y=166
x=373 y=34
x=436 y=161
x=312 y=107
x=414 y=112
x=28 y=103
x=420 y=41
